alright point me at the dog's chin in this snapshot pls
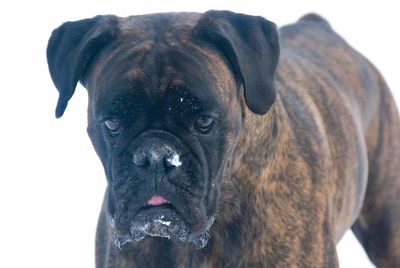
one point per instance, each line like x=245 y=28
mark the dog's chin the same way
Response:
x=165 y=222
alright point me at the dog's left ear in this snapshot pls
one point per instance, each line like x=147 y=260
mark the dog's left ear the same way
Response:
x=70 y=50
x=251 y=46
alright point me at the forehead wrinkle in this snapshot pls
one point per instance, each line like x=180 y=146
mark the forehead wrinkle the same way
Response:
x=201 y=69
x=180 y=65
x=122 y=64
x=169 y=73
x=223 y=79
x=97 y=68
x=133 y=55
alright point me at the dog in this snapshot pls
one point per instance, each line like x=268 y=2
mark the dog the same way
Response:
x=229 y=143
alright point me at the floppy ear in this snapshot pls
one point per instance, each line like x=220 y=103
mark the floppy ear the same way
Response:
x=251 y=46
x=70 y=50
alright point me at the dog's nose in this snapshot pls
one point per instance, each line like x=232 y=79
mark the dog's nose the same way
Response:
x=155 y=156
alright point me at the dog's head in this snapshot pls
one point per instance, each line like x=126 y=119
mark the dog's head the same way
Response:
x=165 y=109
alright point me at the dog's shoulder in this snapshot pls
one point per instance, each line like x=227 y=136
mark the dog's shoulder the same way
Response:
x=310 y=28
x=315 y=19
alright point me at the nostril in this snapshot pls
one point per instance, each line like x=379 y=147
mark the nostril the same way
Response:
x=140 y=159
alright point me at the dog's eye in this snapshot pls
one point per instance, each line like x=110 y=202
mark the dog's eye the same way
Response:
x=203 y=124
x=113 y=125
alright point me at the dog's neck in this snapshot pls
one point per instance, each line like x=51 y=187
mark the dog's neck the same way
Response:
x=242 y=192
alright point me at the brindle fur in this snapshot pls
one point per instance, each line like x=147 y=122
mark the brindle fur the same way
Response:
x=324 y=158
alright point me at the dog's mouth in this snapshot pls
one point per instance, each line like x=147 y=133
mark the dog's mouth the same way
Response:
x=162 y=219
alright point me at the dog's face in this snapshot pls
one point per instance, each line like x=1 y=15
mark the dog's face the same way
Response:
x=164 y=109
x=164 y=123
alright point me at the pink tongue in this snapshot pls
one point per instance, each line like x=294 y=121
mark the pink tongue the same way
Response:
x=157 y=200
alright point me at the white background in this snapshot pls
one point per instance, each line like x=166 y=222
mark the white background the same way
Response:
x=51 y=181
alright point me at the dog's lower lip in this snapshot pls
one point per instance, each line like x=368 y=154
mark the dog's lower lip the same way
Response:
x=161 y=221
x=151 y=208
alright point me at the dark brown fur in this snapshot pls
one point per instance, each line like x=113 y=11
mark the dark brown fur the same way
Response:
x=326 y=157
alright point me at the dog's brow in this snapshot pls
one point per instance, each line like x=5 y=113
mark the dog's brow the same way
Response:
x=121 y=104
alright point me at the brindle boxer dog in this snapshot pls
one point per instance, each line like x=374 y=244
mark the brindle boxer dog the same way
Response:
x=204 y=133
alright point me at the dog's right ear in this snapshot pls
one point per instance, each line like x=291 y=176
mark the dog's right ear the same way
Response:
x=70 y=50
